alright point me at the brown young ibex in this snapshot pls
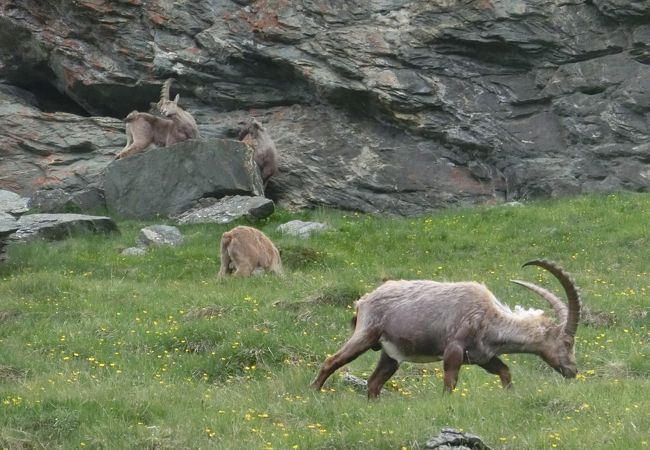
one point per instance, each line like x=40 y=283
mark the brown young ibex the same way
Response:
x=458 y=323
x=144 y=129
x=266 y=155
x=247 y=251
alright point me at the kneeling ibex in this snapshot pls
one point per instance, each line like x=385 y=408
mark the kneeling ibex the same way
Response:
x=458 y=323
x=246 y=251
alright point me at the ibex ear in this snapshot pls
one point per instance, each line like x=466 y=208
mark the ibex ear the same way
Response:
x=178 y=96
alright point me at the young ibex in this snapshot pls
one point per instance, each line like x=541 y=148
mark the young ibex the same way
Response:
x=458 y=323
x=266 y=155
x=247 y=251
x=144 y=129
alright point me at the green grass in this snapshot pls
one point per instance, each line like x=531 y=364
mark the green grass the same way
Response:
x=104 y=351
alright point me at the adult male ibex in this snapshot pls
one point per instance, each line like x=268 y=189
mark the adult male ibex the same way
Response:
x=144 y=129
x=458 y=323
x=265 y=153
x=246 y=250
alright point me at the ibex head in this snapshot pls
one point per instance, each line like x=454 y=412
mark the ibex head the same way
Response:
x=252 y=127
x=559 y=350
x=166 y=106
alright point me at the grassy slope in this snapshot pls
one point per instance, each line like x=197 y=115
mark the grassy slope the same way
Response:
x=99 y=350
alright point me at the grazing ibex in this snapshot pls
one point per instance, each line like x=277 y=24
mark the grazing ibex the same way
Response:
x=247 y=251
x=266 y=155
x=458 y=323
x=144 y=129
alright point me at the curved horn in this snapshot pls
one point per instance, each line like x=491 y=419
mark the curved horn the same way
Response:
x=573 y=298
x=558 y=305
x=164 y=91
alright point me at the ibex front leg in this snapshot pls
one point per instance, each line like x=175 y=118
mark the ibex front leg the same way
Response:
x=498 y=367
x=452 y=360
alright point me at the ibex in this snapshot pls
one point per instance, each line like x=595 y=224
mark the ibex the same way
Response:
x=247 y=251
x=266 y=155
x=144 y=129
x=186 y=127
x=458 y=323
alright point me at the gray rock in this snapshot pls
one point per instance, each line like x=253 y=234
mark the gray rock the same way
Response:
x=167 y=181
x=227 y=210
x=300 y=228
x=450 y=438
x=356 y=382
x=59 y=201
x=133 y=251
x=8 y=225
x=160 y=235
x=47 y=150
x=12 y=203
x=61 y=226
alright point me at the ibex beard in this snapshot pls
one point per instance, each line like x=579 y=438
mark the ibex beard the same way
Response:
x=458 y=323
x=246 y=251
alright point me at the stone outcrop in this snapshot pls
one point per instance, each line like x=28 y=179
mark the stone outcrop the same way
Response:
x=227 y=209
x=451 y=438
x=167 y=181
x=157 y=235
x=301 y=228
x=386 y=106
x=8 y=225
x=18 y=224
x=60 y=226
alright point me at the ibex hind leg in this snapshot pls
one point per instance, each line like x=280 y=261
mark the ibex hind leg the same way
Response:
x=359 y=343
x=135 y=147
x=224 y=270
x=385 y=369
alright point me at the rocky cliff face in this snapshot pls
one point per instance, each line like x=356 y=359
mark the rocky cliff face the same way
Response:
x=375 y=105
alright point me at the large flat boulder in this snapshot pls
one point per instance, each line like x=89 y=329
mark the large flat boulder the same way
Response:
x=12 y=203
x=61 y=226
x=167 y=181
x=8 y=225
x=228 y=209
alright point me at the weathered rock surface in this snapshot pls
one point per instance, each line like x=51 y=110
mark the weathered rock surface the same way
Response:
x=167 y=181
x=12 y=203
x=452 y=439
x=61 y=226
x=301 y=228
x=57 y=200
x=227 y=209
x=133 y=251
x=156 y=235
x=47 y=150
x=8 y=225
x=395 y=106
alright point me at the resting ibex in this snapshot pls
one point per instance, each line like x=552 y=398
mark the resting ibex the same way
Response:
x=186 y=127
x=458 y=323
x=246 y=251
x=144 y=129
x=266 y=155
